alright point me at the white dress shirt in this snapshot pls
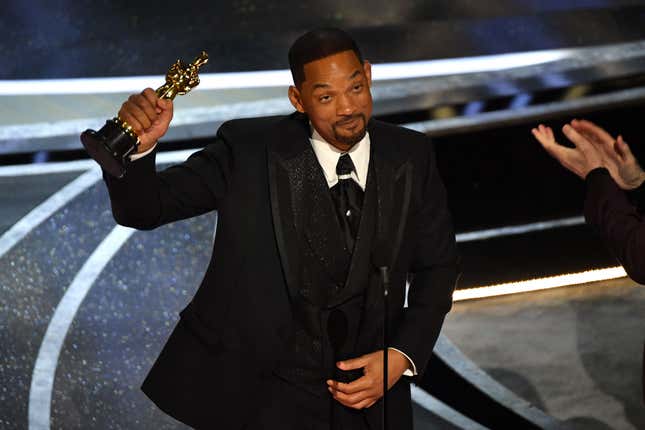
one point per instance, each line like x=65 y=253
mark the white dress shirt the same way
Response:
x=328 y=156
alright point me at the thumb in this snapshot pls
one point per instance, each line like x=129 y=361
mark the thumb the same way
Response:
x=166 y=113
x=622 y=148
x=164 y=104
x=353 y=363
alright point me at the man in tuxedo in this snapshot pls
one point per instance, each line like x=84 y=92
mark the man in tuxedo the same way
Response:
x=286 y=327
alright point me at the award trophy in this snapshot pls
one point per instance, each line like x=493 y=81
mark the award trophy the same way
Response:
x=116 y=140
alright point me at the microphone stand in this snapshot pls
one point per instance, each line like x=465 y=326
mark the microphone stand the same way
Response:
x=385 y=280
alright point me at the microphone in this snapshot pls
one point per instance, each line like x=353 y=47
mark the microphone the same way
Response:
x=380 y=261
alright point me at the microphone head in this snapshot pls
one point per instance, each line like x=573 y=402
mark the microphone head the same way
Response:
x=380 y=255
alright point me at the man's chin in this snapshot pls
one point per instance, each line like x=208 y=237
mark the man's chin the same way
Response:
x=351 y=139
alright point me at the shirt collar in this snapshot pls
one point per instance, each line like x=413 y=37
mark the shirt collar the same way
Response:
x=328 y=156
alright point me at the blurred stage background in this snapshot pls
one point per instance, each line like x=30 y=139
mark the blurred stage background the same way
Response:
x=85 y=306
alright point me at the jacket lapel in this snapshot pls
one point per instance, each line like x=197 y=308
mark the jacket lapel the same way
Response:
x=285 y=152
x=393 y=180
x=301 y=205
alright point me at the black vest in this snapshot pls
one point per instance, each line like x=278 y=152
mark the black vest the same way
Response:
x=332 y=281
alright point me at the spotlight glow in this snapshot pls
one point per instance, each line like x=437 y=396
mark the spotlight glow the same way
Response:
x=540 y=284
x=282 y=78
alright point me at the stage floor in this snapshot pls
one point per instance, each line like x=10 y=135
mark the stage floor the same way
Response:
x=87 y=305
x=574 y=352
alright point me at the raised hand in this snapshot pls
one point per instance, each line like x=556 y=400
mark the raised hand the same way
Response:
x=581 y=159
x=616 y=154
x=148 y=115
x=366 y=390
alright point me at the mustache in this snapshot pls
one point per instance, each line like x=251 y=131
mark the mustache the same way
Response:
x=350 y=119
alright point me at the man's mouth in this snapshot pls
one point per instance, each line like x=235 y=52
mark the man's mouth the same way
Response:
x=350 y=123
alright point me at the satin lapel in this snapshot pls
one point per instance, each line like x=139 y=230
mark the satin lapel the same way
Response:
x=287 y=188
x=393 y=177
x=301 y=205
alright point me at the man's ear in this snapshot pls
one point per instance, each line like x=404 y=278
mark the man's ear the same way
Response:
x=367 y=68
x=294 y=98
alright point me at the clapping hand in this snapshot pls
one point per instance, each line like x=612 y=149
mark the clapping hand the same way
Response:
x=616 y=155
x=581 y=159
x=593 y=147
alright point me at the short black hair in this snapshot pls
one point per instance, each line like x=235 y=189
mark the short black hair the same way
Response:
x=317 y=44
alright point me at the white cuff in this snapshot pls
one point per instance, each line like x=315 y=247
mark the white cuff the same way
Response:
x=136 y=156
x=408 y=372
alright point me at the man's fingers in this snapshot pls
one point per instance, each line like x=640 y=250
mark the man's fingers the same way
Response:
x=360 y=405
x=142 y=122
x=134 y=114
x=354 y=363
x=556 y=150
x=131 y=113
x=364 y=404
x=362 y=383
x=576 y=138
x=539 y=135
x=147 y=103
x=544 y=135
x=150 y=95
x=356 y=400
x=588 y=134
x=589 y=127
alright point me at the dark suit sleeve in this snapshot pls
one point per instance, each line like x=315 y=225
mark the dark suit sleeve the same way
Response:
x=637 y=198
x=432 y=273
x=618 y=221
x=146 y=199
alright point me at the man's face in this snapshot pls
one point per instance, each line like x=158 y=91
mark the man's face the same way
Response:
x=336 y=97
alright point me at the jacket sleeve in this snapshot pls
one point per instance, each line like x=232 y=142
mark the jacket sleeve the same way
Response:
x=637 y=198
x=145 y=199
x=617 y=220
x=432 y=273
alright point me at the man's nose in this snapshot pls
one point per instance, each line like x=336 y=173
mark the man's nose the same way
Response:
x=345 y=105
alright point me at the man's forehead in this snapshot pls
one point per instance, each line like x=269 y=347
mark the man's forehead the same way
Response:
x=344 y=64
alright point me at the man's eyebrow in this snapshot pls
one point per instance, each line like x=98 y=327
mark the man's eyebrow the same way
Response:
x=323 y=85
x=356 y=73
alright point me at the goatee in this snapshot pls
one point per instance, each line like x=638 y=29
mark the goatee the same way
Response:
x=352 y=139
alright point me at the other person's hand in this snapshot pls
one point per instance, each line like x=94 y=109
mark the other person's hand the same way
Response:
x=148 y=115
x=581 y=159
x=616 y=155
x=366 y=390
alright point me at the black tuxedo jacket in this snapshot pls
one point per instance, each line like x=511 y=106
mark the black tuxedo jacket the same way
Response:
x=217 y=361
x=620 y=222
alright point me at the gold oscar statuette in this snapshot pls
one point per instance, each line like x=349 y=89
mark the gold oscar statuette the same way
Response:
x=116 y=141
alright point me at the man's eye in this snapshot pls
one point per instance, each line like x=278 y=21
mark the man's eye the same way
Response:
x=358 y=87
x=324 y=99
